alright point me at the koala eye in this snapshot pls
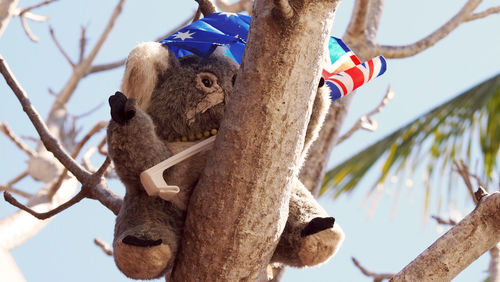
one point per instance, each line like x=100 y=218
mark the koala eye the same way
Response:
x=233 y=80
x=207 y=82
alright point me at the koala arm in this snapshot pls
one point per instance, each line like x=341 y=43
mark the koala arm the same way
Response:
x=132 y=142
x=319 y=110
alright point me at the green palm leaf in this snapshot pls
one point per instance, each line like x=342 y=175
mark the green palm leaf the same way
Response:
x=440 y=136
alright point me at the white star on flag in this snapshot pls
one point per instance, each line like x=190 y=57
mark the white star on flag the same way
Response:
x=227 y=14
x=183 y=35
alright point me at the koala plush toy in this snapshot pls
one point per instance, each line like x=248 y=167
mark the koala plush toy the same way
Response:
x=169 y=105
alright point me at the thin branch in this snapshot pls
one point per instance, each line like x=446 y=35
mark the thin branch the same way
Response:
x=77 y=198
x=83 y=43
x=409 y=50
x=443 y=221
x=36 y=6
x=463 y=170
x=286 y=11
x=17 y=178
x=50 y=142
x=74 y=154
x=119 y=63
x=28 y=31
x=206 y=7
x=18 y=141
x=357 y=25
x=60 y=48
x=376 y=276
x=236 y=7
x=104 y=246
x=366 y=121
x=101 y=145
x=82 y=69
x=197 y=15
x=15 y=191
x=485 y=13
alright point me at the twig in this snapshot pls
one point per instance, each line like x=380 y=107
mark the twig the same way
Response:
x=485 y=13
x=14 y=138
x=15 y=191
x=366 y=121
x=60 y=48
x=83 y=43
x=236 y=7
x=463 y=170
x=17 y=178
x=465 y=14
x=74 y=154
x=357 y=25
x=443 y=221
x=376 y=276
x=206 y=7
x=101 y=145
x=119 y=63
x=104 y=246
x=25 y=14
x=82 y=69
x=197 y=15
x=27 y=30
x=284 y=8
x=29 y=8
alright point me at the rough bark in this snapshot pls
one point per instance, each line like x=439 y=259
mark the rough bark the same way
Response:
x=233 y=224
x=477 y=233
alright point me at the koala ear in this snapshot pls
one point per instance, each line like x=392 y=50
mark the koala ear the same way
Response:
x=144 y=65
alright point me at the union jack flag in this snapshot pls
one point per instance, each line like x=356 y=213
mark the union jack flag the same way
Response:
x=343 y=71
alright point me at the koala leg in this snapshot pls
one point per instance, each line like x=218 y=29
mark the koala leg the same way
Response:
x=310 y=236
x=147 y=236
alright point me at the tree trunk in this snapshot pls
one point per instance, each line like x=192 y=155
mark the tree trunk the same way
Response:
x=234 y=222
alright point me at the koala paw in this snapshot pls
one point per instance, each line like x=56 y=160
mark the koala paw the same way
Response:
x=317 y=224
x=320 y=246
x=122 y=109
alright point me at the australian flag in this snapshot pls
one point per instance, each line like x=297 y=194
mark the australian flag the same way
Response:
x=342 y=71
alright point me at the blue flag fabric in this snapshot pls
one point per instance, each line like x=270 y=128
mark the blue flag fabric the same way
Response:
x=203 y=36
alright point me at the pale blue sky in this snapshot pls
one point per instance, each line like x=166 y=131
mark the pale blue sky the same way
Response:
x=64 y=250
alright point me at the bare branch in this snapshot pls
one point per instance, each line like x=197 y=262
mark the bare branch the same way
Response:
x=366 y=121
x=28 y=31
x=443 y=221
x=463 y=170
x=206 y=7
x=101 y=147
x=82 y=69
x=357 y=25
x=485 y=13
x=48 y=140
x=17 y=178
x=29 y=8
x=376 y=276
x=83 y=43
x=409 y=50
x=477 y=233
x=14 y=138
x=60 y=48
x=236 y=7
x=104 y=246
x=35 y=17
x=284 y=8
x=15 y=191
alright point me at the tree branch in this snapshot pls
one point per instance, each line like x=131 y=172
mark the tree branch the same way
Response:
x=421 y=45
x=14 y=138
x=357 y=24
x=206 y=7
x=477 y=233
x=244 y=200
x=483 y=14
x=366 y=121
x=377 y=277
x=104 y=246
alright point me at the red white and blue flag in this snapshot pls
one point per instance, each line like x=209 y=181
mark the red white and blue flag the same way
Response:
x=343 y=72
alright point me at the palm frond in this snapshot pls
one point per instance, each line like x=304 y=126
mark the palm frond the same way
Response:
x=440 y=136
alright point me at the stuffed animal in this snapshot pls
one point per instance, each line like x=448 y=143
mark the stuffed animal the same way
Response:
x=169 y=105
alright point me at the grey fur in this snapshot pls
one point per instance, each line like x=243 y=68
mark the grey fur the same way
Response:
x=182 y=104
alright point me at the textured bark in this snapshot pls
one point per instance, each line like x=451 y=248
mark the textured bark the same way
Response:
x=477 y=233
x=7 y=8
x=234 y=222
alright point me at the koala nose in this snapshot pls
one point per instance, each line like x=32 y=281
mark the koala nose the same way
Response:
x=139 y=242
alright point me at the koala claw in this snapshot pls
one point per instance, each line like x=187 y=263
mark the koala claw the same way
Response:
x=122 y=109
x=317 y=224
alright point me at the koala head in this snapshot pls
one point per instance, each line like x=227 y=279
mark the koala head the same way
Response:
x=187 y=96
